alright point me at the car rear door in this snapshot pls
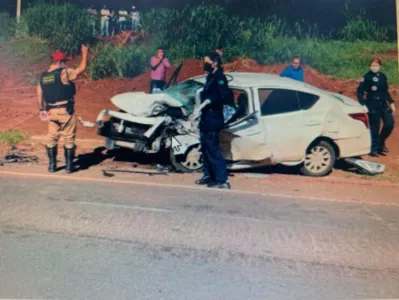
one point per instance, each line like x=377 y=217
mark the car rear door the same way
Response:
x=284 y=123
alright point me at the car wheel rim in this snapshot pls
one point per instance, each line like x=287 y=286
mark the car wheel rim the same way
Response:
x=193 y=159
x=318 y=159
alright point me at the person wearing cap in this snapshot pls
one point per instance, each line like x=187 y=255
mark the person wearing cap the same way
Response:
x=55 y=95
x=135 y=18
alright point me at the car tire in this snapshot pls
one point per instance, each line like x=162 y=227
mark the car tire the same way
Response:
x=319 y=160
x=191 y=162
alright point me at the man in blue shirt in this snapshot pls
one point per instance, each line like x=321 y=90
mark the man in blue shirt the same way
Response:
x=294 y=71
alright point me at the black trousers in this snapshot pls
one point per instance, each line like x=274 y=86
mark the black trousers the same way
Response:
x=214 y=163
x=378 y=135
x=159 y=84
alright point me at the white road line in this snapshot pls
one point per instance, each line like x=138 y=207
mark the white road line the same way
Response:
x=133 y=207
x=189 y=187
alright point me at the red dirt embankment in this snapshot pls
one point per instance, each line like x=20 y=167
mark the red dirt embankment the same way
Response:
x=19 y=109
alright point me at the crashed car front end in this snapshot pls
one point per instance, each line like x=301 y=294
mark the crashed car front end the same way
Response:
x=142 y=134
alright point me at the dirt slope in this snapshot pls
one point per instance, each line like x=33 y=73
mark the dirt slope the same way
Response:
x=19 y=109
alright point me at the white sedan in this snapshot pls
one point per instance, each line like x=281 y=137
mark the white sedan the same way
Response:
x=277 y=121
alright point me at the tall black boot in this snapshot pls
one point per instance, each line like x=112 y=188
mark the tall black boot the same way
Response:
x=69 y=156
x=52 y=158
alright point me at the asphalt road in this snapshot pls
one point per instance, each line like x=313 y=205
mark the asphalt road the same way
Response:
x=68 y=239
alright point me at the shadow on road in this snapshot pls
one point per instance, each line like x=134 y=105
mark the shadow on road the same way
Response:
x=161 y=161
x=87 y=160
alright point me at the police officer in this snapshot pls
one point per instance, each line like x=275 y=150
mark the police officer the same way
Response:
x=56 y=92
x=380 y=106
x=213 y=97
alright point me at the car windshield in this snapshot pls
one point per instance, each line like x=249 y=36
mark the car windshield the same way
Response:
x=185 y=92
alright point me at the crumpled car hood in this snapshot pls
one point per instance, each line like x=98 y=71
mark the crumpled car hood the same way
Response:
x=138 y=103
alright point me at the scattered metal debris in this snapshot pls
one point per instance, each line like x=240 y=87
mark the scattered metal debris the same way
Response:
x=87 y=124
x=18 y=158
x=256 y=175
x=108 y=173
x=366 y=167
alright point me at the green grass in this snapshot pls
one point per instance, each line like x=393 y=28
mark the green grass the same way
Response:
x=7 y=26
x=12 y=136
x=109 y=61
x=195 y=30
x=65 y=26
x=24 y=52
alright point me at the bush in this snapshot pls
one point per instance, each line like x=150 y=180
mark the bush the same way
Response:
x=7 y=26
x=12 y=136
x=362 y=29
x=24 y=52
x=65 y=26
x=192 y=32
x=110 y=61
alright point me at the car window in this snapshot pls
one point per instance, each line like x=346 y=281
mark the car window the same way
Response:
x=278 y=101
x=241 y=99
x=306 y=100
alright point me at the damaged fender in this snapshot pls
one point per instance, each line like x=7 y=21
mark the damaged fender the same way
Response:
x=181 y=143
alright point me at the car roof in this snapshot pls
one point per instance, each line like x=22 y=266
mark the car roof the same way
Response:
x=249 y=80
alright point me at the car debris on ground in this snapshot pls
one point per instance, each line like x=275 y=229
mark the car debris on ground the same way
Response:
x=256 y=175
x=366 y=167
x=18 y=156
x=86 y=124
x=109 y=172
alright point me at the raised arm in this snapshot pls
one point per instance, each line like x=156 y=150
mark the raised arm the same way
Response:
x=83 y=63
x=155 y=62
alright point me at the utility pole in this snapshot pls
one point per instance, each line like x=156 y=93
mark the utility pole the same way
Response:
x=397 y=29
x=19 y=10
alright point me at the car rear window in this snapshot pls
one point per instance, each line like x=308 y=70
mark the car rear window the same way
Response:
x=306 y=100
x=278 y=101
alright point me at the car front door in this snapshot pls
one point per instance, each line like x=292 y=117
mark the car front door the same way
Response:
x=283 y=124
x=244 y=139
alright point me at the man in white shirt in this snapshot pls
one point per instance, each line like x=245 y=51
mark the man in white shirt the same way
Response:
x=135 y=18
x=123 y=14
x=105 y=14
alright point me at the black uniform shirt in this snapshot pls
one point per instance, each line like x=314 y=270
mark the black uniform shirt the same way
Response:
x=217 y=91
x=375 y=85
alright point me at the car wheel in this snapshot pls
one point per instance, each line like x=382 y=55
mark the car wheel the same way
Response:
x=191 y=162
x=320 y=160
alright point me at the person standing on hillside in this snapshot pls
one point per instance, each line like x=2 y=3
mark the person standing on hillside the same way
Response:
x=93 y=12
x=159 y=65
x=55 y=96
x=135 y=19
x=113 y=22
x=380 y=106
x=295 y=70
x=123 y=14
x=105 y=15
